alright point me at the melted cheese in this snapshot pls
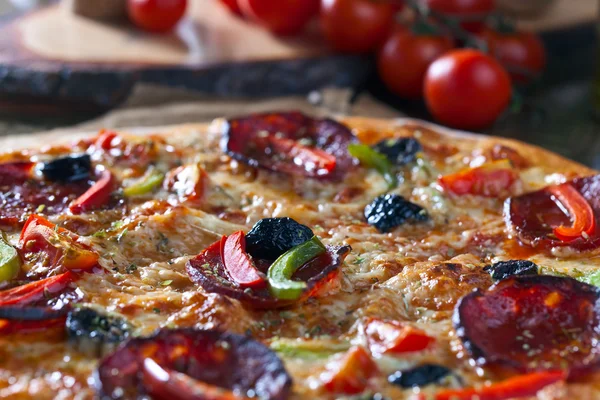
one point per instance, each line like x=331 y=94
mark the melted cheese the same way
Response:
x=414 y=274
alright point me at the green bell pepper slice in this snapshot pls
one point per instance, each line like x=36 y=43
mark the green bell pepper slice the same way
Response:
x=280 y=272
x=314 y=349
x=592 y=279
x=10 y=262
x=145 y=185
x=373 y=159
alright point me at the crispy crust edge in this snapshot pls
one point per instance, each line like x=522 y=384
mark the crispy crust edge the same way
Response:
x=538 y=156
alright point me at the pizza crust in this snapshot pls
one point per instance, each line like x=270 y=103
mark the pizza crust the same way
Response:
x=377 y=129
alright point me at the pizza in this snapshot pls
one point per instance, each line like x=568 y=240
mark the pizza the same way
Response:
x=280 y=256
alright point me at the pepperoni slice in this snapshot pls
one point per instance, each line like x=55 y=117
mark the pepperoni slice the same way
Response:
x=533 y=323
x=208 y=270
x=292 y=143
x=534 y=216
x=37 y=305
x=193 y=364
x=21 y=194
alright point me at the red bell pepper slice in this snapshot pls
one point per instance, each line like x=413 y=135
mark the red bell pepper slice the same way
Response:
x=10 y=327
x=315 y=161
x=104 y=140
x=577 y=208
x=190 y=182
x=96 y=196
x=517 y=387
x=489 y=180
x=35 y=291
x=395 y=338
x=58 y=245
x=238 y=263
x=19 y=170
x=166 y=384
x=351 y=374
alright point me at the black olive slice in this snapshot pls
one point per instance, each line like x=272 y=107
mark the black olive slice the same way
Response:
x=271 y=237
x=68 y=169
x=94 y=330
x=420 y=376
x=391 y=210
x=506 y=269
x=400 y=151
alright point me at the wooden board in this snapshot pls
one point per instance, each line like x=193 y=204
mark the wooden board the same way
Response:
x=51 y=59
x=54 y=55
x=563 y=14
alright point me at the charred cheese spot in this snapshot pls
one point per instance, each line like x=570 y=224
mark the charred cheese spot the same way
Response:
x=439 y=286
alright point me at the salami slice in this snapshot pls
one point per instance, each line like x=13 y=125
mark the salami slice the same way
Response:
x=292 y=143
x=38 y=305
x=533 y=216
x=21 y=194
x=533 y=323
x=207 y=270
x=193 y=364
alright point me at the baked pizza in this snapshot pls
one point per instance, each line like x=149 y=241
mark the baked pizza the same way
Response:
x=278 y=256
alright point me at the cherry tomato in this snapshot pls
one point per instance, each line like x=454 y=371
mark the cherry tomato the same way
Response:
x=233 y=6
x=467 y=89
x=521 y=53
x=283 y=17
x=471 y=12
x=404 y=58
x=356 y=26
x=44 y=244
x=156 y=15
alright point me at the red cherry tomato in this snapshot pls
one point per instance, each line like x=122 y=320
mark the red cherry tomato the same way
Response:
x=283 y=17
x=233 y=6
x=51 y=246
x=156 y=15
x=356 y=26
x=472 y=13
x=467 y=89
x=404 y=58
x=521 y=53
